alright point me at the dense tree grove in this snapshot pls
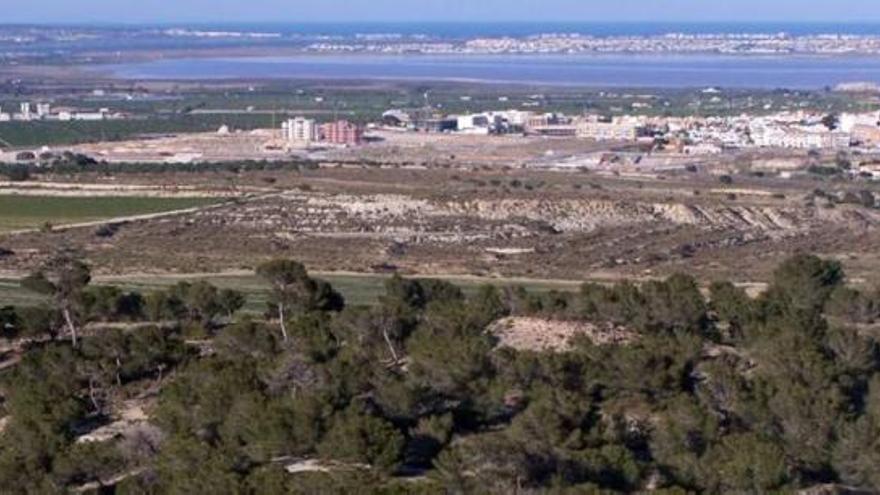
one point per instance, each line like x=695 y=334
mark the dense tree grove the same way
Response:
x=719 y=393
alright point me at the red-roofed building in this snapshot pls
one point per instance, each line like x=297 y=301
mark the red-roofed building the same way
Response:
x=342 y=132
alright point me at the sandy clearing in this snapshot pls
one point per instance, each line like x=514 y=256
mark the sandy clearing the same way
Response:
x=539 y=334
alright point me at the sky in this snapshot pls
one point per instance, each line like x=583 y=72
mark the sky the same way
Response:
x=143 y=11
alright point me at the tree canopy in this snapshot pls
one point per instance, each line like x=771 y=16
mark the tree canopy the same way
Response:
x=717 y=392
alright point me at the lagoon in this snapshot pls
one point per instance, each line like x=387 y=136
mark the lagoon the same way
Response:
x=664 y=71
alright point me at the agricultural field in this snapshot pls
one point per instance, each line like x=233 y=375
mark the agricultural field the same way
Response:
x=26 y=212
x=36 y=133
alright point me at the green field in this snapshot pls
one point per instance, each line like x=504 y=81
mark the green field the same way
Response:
x=39 y=133
x=11 y=294
x=22 y=212
x=358 y=290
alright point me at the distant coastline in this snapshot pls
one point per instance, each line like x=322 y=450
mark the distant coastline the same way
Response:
x=760 y=55
x=19 y=43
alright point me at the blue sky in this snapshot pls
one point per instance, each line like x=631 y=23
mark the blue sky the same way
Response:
x=133 y=11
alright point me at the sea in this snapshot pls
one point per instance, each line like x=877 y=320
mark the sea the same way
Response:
x=604 y=70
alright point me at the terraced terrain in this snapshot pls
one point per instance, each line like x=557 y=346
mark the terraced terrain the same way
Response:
x=430 y=222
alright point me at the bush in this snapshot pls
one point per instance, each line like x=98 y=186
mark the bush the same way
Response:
x=10 y=323
x=358 y=438
x=16 y=173
x=747 y=463
x=25 y=156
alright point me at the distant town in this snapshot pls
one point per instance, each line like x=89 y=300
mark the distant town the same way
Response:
x=680 y=135
x=800 y=130
x=34 y=111
x=683 y=136
x=33 y=44
x=739 y=44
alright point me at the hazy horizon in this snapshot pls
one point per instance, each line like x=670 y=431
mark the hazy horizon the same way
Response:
x=396 y=11
x=266 y=22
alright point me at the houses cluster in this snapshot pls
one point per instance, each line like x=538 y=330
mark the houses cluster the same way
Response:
x=29 y=111
x=692 y=134
x=551 y=124
x=301 y=132
x=574 y=43
x=732 y=43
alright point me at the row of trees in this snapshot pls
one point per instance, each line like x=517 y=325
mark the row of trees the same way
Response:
x=72 y=163
x=64 y=280
x=725 y=394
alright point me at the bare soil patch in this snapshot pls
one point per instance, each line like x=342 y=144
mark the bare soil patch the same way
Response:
x=538 y=334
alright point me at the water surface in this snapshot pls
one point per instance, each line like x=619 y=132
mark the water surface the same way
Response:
x=672 y=71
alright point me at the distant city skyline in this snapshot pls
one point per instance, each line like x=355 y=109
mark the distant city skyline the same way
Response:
x=156 y=11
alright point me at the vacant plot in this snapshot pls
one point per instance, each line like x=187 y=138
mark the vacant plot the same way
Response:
x=538 y=334
x=23 y=212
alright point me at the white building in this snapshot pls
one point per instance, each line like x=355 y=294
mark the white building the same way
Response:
x=477 y=123
x=518 y=118
x=838 y=139
x=43 y=110
x=616 y=130
x=799 y=137
x=850 y=120
x=300 y=131
x=90 y=116
x=703 y=149
x=25 y=113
